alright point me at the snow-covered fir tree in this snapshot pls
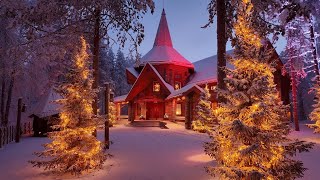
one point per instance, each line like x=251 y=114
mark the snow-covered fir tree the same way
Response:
x=204 y=113
x=120 y=76
x=250 y=140
x=74 y=149
x=297 y=55
x=112 y=114
x=315 y=114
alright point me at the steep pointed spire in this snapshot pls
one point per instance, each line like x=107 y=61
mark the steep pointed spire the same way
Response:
x=163 y=37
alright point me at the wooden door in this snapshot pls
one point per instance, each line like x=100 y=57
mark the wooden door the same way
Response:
x=154 y=110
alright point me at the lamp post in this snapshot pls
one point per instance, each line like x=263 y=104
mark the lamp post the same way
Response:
x=106 y=124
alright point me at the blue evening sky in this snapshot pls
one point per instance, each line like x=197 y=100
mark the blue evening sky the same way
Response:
x=185 y=19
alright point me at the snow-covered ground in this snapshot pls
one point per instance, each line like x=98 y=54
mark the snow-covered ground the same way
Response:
x=142 y=154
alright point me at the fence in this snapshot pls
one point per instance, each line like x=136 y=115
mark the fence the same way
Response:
x=8 y=133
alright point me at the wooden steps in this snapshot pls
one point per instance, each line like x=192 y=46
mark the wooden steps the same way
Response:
x=148 y=123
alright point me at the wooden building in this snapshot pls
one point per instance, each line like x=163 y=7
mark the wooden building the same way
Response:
x=166 y=86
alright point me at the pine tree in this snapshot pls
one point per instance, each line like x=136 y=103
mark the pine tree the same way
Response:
x=297 y=51
x=112 y=114
x=111 y=65
x=250 y=140
x=315 y=114
x=120 y=76
x=74 y=149
x=204 y=114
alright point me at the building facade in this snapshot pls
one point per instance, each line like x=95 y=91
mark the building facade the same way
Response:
x=166 y=86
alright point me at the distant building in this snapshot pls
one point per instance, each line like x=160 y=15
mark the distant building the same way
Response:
x=46 y=112
x=168 y=86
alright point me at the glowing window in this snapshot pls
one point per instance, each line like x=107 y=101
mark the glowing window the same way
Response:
x=177 y=85
x=156 y=86
x=178 y=109
x=213 y=88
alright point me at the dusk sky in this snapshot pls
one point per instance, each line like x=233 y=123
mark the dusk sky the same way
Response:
x=185 y=18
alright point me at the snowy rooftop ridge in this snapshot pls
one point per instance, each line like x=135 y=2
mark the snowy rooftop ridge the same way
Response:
x=184 y=89
x=133 y=71
x=206 y=70
x=120 y=98
x=47 y=105
x=168 y=86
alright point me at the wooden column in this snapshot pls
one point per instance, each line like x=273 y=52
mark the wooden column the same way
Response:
x=188 y=117
x=106 y=110
x=18 y=120
x=130 y=111
x=173 y=110
x=118 y=109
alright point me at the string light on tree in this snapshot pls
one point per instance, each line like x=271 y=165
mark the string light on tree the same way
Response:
x=204 y=113
x=250 y=140
x=315 y=114
x=73 y=148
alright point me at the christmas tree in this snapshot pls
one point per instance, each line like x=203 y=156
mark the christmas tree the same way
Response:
x=112 y=114
x=73 y=148
x=204 y=114
x=250 y=140
x=315 y=114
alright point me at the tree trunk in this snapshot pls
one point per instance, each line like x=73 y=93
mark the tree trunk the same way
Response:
x=96 y=46
x=8 y=104
x=294 y=97
x=222 y=40
x=293 y=86
x=314 y=52
x=3 y=87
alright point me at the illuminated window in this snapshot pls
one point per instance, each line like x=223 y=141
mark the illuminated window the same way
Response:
x=156 y=86
x=178 y=109
x=177 y=85
x=213 y=88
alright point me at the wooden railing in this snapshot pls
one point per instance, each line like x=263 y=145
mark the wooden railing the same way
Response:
x=8 y=133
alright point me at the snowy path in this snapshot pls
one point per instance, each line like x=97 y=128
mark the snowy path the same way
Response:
x=139 y=154
x=142 y=154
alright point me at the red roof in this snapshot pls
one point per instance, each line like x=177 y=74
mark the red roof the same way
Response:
x=163 y=51
x=163 y=37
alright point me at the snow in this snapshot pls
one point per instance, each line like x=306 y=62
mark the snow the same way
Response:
x=138 y=153
x=141 y=154
x=168 y=86
x=185 y=88
x=206 y=70
x=46 y=105
x=120 y=98
x=165 y=55
x=133 y=71
x=310 y=159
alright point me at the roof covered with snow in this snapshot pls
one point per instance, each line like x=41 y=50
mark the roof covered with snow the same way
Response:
x=206 y=70
x=120 y=98
x=47 y=105
x=163 y=51
x=133 y=71
x=168 y=86
x=184 y=89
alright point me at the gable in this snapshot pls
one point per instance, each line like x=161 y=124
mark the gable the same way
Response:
x=145 y=79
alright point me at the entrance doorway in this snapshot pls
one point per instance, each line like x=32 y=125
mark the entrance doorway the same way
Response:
x=155 y=110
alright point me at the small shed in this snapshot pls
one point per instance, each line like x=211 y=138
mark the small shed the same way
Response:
x=46 y=112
